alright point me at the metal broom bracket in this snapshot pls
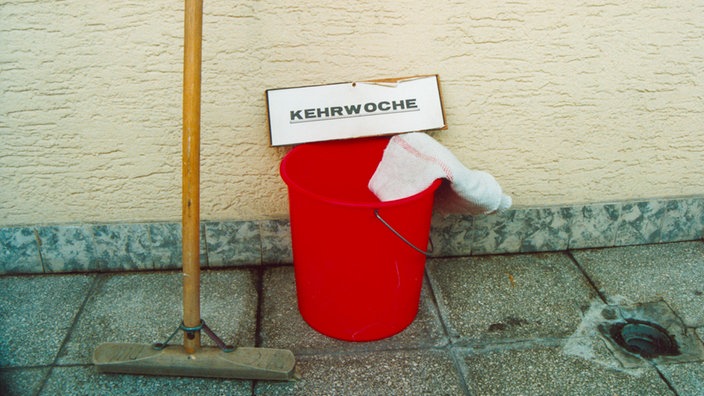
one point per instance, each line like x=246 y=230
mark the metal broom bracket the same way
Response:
x=190 y=333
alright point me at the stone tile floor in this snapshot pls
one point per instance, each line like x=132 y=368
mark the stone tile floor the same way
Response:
x=487 y=325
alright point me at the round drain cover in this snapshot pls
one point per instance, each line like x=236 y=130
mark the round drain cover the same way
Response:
x=646 y=339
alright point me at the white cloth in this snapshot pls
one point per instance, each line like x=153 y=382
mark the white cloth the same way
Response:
x=413 y=161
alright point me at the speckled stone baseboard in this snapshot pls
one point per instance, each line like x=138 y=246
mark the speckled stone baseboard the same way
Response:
x=526 y=230
x=154 y=246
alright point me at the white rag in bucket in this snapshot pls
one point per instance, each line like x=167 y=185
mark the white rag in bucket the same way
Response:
x=413 y=161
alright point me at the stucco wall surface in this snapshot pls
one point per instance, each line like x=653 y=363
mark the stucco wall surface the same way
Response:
x=562 y=101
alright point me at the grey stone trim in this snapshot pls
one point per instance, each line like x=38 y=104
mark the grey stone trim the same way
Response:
x=154 y=246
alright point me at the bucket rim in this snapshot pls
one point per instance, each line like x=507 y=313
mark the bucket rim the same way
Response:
x=291 y=183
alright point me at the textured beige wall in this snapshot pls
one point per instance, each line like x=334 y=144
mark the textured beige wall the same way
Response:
x=563 y=101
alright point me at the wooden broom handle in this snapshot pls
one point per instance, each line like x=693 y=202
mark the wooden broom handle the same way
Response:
x=193 y=34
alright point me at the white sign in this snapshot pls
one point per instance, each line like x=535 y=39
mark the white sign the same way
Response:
x=356 y=109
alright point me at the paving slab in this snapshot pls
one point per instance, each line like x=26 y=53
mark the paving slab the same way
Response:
x=36 y=314
x=80 y=380
x=514 y=322
x=673 y=272
x=25 y=381
x=282 y=325
x=378 y=373
x=687 y=378
x=523 y=296
x=547 y=371
x=146 y=308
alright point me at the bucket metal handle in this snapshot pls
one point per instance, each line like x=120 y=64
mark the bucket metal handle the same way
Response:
x=401 y=237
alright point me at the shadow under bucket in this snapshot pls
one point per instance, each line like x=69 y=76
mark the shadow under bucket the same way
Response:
x=355 y=279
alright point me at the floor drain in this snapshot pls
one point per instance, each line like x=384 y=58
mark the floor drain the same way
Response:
x=646 y=339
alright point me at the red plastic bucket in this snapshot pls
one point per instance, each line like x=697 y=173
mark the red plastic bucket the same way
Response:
x=355 y=279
